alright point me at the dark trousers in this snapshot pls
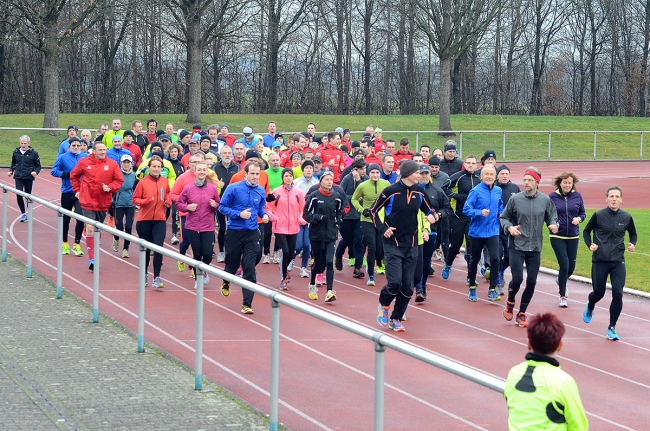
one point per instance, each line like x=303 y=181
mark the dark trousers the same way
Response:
x=517 y=260
x=419 y=264
x=68 y=201
x=24 y=185
x=427 y=253
x=154 y=232
x=174 y=214
x=504 y=252
x=185 y=241
x=221 y=233
x=351 y=237
x=617 y=274
x=375 y=246
x=202 y=245
x=442 y=239
x=492 y=244
x=243 y=248
x=458 y=232
x=303 y=244
x=124 y=222
x=400 y=265
x=566 y=251
x=323 y=252
x=286 y=243
x=268 y=233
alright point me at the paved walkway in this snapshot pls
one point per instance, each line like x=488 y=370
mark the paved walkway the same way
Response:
x=58 y=370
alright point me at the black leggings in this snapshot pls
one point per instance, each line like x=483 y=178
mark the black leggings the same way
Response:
x=122 y=213
x=374 y=244
x=492 y=244
x=202 y=245
x=566 y=251
x=68 y=201
x=286 y=243
x=221 y=236
x=323 y=252
x=25 y=186
x=458 y=232
x=154 y=232
x=599 y=273
x=517 y=259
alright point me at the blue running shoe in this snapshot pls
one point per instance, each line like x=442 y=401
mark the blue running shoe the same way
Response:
x=472 y=294
x=587 y=314
x=493 y=295
x=611 y=334
x=23 y=218
x=91 y=264
x=396 y=325
x=445 y=271
x=382 y=318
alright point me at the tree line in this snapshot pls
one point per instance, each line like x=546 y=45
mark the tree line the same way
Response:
x=526 y=57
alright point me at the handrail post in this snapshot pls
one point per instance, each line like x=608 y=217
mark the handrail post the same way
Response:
x=504 y=145
x=142 y=271
x=97 y=251
x=379 y=385
x=198 y=348
x=595 y=133
x=59 y=256
x=30 y=236
x=5 y=230
x=275 y=365
x=550 y=138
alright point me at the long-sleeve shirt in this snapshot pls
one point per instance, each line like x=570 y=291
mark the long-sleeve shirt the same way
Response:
x=152 y=196
x=62 y=167
x=238 y=197
x=529 y=213
x=201 y=219
x=483 y=197
x=609 y=229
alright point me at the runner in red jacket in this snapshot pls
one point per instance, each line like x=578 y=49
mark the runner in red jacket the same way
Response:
x=332 y=156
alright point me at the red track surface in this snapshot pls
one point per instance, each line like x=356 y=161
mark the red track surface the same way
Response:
x=326 y=374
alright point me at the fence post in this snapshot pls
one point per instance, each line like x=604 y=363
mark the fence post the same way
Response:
x=460 y=145
x=595 y=145
x=504 y=145
x=142 y=272
x=198 y=348
x=97 y=251
x=640 y=148
x=5 y=230
x=417 y=142
x=275 y=364
x=549 y=144
x=379 y=385
x=30 y=236
x=59 y=256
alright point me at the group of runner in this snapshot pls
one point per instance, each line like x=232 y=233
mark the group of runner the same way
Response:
x=393 y=209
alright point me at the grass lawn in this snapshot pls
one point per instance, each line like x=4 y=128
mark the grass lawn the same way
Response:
x=519 y=146
x=636 y=262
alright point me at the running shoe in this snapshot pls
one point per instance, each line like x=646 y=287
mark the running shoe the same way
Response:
x=246 y=309
x=493 y=295
x=371 y=280
x=276 y=257
x=125 y=254
x=221 y=257
x=467 y=281
x=499 y=290
x=330 y=296
x=419 y=297
x=193 y=274
x=338 y=263
x=175 y=240
x=266 y=259
x=431 y=270
x=587 y=314
x=396 y=325
x=403 y=319
x=91 y=264
x=225 y=288
x=284 y=285
x=382 y=318
x=508 y=311
x=611 y=334
x=206 y=278
x=290 y=266
x=486 y=274
x=180 y=265
x=437 y=255
x=357 y=273
x=381 y=268
x=116 y=245
x=445 y=271
x=313 y=292
x=303 y=272
x=76 y=249
x=563 y=302
x=23 y=218
x=320 y=280
x=65 y=248
x=521 y=320
x=471 y=296
x=146 y=280
x=157 y=283
x=351 y=261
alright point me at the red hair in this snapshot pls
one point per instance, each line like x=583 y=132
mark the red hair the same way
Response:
x=545 y=332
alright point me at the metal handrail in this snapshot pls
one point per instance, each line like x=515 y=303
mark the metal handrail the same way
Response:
x=380 y=340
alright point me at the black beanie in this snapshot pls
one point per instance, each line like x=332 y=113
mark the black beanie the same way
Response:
x=501 y=168
x=285 y=170
x=252 y=154
x=306 y=163
x=408 y=168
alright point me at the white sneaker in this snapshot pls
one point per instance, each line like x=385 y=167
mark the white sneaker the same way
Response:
x=276 y=257
x=313 y=292
x=563 y=302
x=266 y=259
x=116 y=245
x=175 y=240
x=290 y=267
x=221 y=256
x=303 y=272
x=206 y=278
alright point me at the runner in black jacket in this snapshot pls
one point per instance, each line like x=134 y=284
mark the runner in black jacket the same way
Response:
x=25 y=166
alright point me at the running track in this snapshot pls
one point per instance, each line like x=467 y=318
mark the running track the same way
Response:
x=326 y=374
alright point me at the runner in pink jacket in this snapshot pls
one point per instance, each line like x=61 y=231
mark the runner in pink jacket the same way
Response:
x=285 y=211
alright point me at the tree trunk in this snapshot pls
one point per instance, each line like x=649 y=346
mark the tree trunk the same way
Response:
x=366 y=57
x=51 y=87
x=193 y=70
x=497 y=66
x=445 y=96
x=643 y=87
